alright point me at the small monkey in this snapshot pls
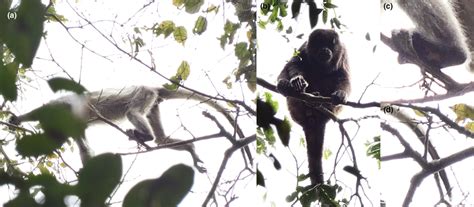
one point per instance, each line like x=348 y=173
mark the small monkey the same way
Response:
x=139 y=104
x=321 y=68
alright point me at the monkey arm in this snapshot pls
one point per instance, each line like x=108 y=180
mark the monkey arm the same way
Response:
x=291 y=80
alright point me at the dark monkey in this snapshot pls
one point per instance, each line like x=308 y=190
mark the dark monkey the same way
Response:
x=321 y=68
x=438 y=39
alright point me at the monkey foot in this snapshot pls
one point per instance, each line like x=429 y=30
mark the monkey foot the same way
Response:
x=138 y=136
x=200 y=168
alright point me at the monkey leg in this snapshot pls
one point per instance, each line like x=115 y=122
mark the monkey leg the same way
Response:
x=140 y=105
x=84 y=150
x=190 y=148
x=154 y=118
x=413 y=45
x=314 y=133
x=438 y=55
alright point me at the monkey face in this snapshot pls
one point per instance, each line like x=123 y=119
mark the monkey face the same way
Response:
x=324 y=48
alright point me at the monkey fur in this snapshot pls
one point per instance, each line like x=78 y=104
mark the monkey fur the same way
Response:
x=437 y=40
x=139 y=104
x=321 y=68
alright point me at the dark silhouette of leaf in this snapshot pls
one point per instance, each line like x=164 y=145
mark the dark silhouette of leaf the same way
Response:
x=295 y=8
x=314 y=12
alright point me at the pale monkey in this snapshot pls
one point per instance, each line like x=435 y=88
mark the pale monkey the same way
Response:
x=139 y=104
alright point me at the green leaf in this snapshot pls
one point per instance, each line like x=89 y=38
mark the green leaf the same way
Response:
x=261 y=144
x=183 y=70
x=178 y=3
x=283 y=11
x=222 y=41
x=200 y=25
x=241 y=50
x=336 y=22
x=279 y=26
x=172 y=86
x=166 y=28
x=262 y=24
x=23 y=35
x=327 y=153
x=274 y=16
x=167 y=190
x=181 y=74
x=180 y=35
x=269 y=99
x=192 y=6
x=290 y=198
x=36 y=145
x=7 y=80
x=463 y=112
x=52 y=12
x=373 y=149
x=470 y=126
x=251 y=77
x=23 y=199
x=330 y=6
x=211 y=8
x=227 y=81
x=57 y=84
x=269 y=135
x=59 y=122
x=260 y=179
x=325 y=16
x=229 y=31
x=53 y=191
x=265 y=114
x=98 y=179
x=284 y=129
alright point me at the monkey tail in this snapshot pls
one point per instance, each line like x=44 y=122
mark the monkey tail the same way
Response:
x=315 y=140
x=185 y=94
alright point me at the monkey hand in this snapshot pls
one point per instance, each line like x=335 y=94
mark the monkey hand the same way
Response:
x=299 y=84
x=285 y=88
x=201 y=169
x=198 y=163
x=13 y=121
x=339 y=97
x=403 y=42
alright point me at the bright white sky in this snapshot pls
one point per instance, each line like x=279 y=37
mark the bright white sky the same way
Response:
x=395 y=176
x=209 y=66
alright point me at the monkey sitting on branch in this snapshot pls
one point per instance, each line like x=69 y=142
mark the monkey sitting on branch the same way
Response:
x=320 y=68
x=139 y=104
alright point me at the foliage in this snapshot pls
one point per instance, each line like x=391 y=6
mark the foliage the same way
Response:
x=464 y=113
x=96 y=181
x=23 y=35
x=266 y=111
x=276 y=10
x=167 y=190
x=373 y=149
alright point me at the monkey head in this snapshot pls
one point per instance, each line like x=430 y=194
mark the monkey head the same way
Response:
x=324 y=49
